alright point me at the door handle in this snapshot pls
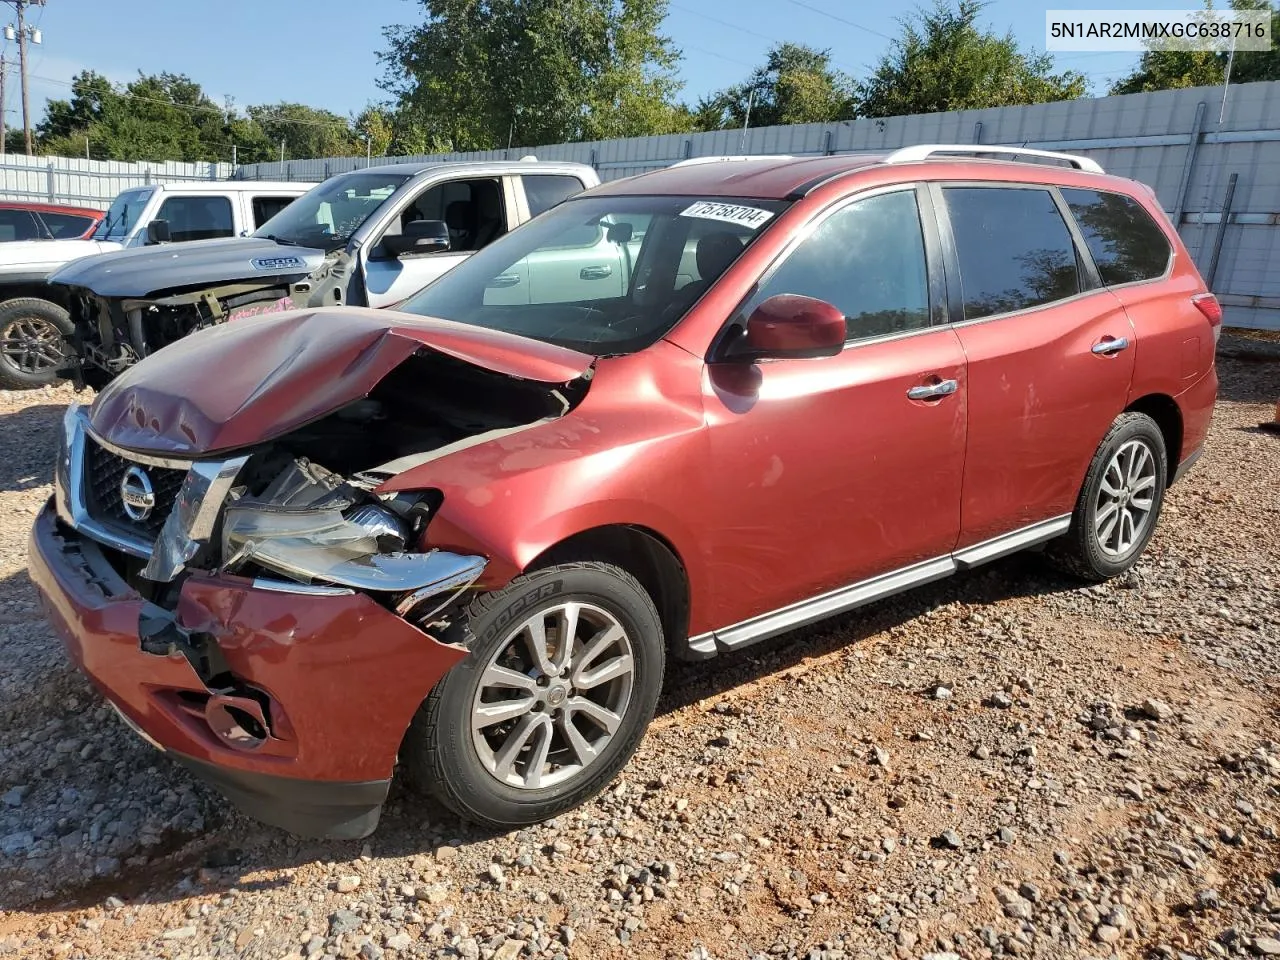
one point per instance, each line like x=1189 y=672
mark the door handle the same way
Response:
x=595 y=273
x=933 y=391
x=1110 y=345
x=504 y=280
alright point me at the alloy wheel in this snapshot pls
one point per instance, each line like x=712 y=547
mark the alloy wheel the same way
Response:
x=1126 y=498
x=31 y=345
x=553 y=695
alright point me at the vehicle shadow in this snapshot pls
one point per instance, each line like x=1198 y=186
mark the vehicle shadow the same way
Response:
x=1248 y=377
x=29 y=441
x=231 y=847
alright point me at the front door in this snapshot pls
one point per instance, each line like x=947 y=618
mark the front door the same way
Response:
x=1050 y=352
x=476 y=210
x=837 y=470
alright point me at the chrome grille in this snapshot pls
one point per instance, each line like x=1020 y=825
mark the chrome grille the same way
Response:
x=104 y=472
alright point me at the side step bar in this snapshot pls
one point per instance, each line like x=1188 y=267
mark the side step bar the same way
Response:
x=859 y=594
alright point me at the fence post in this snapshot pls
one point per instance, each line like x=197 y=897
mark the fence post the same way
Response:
x=326 y=169
x=977 y=131
x=827 y=137
x=146 y=176
x=592 y=160
x=288 y=172
x=1218 y=237
x=1188 y=162
x=51 y=183
x=686 y=151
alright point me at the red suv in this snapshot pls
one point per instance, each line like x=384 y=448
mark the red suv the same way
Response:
x=672 y=416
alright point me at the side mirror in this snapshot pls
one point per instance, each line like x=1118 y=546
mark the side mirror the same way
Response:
x=791 y=326
x=419 y=236
x=158 y=231
x=619 y=233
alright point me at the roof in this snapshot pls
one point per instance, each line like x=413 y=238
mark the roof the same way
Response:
x=765 y=178
x=504 y=166
x=781 y=177
x=230 y=186
x=50 y=208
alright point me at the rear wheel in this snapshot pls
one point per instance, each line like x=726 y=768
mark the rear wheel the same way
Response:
x=1119 y=504
x=565 y=670
x=32 y=342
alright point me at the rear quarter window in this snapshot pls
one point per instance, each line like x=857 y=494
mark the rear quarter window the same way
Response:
x=66 y=226
x=544 y=191
x=1126 y=243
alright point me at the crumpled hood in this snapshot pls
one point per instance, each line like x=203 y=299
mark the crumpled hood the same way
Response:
x=248 y=381
x=144 y=271
x=28 y=256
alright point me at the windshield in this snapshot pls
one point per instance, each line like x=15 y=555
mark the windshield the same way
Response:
x=123 y=215
x=602 y=275
x=328 y=215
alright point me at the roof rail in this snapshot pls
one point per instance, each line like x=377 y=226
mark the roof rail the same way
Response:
x=693 y=161
x=926 y=150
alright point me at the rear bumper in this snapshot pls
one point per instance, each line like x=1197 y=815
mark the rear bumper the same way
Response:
x=334 y=679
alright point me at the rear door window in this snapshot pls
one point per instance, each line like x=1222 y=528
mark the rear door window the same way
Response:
x=17 y=225
x=544 y=191
x=1124 y=241
x=197 y=218
x=66 y=226
x=1014 y=248
x=264 y=208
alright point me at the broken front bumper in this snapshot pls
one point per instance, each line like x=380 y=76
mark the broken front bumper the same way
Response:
x=329 y=681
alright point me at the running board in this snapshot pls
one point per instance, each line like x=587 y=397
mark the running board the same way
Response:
x=859 y=594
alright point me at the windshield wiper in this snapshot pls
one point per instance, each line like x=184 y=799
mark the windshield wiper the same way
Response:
x=283 y=240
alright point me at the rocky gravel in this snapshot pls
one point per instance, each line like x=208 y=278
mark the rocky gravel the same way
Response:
x=1003 y=764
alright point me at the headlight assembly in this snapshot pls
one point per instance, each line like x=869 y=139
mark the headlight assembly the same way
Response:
x=309 y=526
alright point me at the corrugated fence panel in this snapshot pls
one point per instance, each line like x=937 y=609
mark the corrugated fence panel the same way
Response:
x=91 y=183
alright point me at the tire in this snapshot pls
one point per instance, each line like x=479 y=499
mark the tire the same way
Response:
x=31 y=330
x=464 y=769
x=1097 y=552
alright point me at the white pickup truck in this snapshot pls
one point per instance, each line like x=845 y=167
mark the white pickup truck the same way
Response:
x=371 y=237
x=33 y=315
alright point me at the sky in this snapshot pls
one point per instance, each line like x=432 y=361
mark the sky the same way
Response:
x=324 y=52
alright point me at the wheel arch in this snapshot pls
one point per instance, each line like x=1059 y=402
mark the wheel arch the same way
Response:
x=34 y=289
x=1164 y=410
x=644 y=553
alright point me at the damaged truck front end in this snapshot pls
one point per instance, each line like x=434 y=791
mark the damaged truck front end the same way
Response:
x=222 y=564
x=112 y=332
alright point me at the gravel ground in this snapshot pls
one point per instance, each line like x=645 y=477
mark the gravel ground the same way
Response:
x=1000 y=764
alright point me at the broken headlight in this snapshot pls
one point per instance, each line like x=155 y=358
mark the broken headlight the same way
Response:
x=310 y=524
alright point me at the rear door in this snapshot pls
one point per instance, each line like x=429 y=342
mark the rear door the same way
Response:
x=1050 y=352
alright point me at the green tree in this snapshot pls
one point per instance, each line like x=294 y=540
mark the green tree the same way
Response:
x=796 y=84
x=944 y=61
x=482 y=74
x=307 y=132
x=1165 y=66
x=375 y=126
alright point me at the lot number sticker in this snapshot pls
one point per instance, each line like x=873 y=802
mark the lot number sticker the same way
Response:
x=750 y=217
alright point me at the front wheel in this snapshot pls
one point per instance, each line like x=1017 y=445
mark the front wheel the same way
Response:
x=563 y=678
x=1119 y=504
x=32 y=342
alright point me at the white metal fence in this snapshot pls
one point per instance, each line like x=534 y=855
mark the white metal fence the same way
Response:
x=91 y=183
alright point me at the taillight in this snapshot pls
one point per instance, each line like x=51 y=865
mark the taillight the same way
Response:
x=1208 y=304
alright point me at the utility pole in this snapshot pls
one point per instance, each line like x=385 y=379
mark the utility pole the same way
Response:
x=23 y=33
x=4 y=70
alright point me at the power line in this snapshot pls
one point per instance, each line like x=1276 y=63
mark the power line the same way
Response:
x=741 y=29
x=840 y=19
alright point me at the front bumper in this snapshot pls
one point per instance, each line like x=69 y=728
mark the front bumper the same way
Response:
x=337 y=675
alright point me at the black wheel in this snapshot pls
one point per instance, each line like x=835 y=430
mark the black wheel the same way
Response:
x=565 y=670
x=32 y=342
x=1119 y=504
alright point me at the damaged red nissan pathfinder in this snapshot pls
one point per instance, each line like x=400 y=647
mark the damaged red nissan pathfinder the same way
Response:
x=672 y=416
